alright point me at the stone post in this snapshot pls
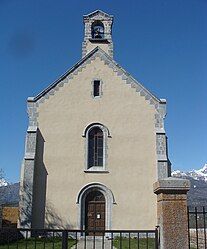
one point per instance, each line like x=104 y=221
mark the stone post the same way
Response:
x=172 y=212
x=27 y=180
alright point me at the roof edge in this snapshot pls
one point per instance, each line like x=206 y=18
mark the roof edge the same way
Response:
x=129 y=75
x=63 y=76
x=96 y=11
x=80 y=62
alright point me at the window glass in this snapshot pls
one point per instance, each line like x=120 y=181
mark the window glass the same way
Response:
x=95 y=147
x=96 y=88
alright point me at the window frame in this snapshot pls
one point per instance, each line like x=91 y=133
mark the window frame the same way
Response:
x=95 y=158
x=106 y=135
x=100 y=88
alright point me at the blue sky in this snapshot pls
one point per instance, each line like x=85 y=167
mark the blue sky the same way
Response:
x=162 y=43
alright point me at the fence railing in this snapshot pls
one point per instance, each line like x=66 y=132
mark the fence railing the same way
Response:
x=78 y=239
x=197 y=220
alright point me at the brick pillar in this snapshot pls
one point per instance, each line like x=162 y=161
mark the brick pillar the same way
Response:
x=172 y=212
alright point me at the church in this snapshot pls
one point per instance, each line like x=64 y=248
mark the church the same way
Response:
x=95 y=144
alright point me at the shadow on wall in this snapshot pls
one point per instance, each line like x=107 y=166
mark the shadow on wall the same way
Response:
x=53 y=220
x=50 y=220
x=25 y=206
x=33 y=197
x=33 y=189
x=40 y=185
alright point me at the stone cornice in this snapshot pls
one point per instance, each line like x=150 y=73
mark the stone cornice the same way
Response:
x=171 y=185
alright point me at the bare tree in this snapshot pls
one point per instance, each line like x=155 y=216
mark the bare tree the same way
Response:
x=3 y=182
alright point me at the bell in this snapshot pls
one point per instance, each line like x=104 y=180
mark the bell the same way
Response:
x=97 y=34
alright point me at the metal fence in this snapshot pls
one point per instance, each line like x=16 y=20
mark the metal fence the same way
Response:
x=78 y=239
x=197 y=220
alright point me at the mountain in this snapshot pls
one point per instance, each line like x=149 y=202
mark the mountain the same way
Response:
x=200 y=174
x=197 y=196
x=3 y=182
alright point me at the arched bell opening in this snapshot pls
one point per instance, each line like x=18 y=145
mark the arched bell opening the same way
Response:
x=97 y=30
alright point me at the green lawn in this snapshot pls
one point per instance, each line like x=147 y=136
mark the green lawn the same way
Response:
x=41 y=243
x=134 y=243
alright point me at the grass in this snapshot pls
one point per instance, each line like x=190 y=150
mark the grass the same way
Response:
x=47 y=243
x=41 y=243
x=134 y=243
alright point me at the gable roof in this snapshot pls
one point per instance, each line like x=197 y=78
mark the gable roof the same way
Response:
x=96 y=52
x=96 y=13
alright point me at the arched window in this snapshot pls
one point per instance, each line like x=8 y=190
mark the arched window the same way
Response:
x=95 y=147
x=97 y=30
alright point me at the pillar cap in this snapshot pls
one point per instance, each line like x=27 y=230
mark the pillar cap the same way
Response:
x=171 y=185
x=32 y=129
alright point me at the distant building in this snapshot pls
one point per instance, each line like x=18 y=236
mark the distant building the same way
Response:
x=9 y=215
x=95 y=144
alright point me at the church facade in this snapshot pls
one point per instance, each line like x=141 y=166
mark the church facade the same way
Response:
x=95 y=144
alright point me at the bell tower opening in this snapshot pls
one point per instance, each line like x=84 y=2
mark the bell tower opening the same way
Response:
x=97 y=32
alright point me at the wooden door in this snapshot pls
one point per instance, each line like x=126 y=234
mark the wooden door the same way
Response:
x=95 y=214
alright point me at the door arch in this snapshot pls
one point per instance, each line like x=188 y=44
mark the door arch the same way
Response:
x=81 y=202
